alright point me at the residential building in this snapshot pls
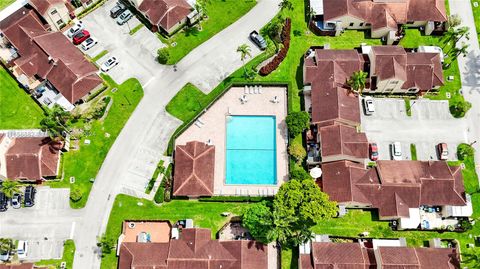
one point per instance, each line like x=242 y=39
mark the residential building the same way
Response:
x=29 y=158
x=321 y=252
x=166 y=15
x=417 y=194
x=46 y=62
x=340 y=142
x=194 y=169
x=383 y=17
x=187 y=248
x=55 y=12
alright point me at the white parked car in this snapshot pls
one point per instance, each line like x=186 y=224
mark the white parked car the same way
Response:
x=22 y=249
x=89 y=43
x=109 y=64
x=75 y=29
x=396 y=150
x=368 y=105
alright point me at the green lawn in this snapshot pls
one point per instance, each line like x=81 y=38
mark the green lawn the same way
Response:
x=413 y=151
x=84 y=164
x=68 y=255
x=187 y=103
x=476 y=17
x=221 y=14
x=5 y=3
x=204 y=214
x=17 y=108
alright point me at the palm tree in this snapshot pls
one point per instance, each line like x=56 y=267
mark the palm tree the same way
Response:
x=244 y=51
x=56 y=122
x=357 y=81
x=10 y=187
x=286 y=4
x=6 y=245
x=454 y=21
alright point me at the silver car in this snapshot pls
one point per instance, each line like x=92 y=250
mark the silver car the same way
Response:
x=16 y=201
x=109 y=64
x=124 y=17
x=75 y=29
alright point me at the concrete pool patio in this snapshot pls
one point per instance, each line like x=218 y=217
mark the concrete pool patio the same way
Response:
x=211 y=128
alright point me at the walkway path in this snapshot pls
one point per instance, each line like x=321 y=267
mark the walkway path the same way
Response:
x=469 y=68
x=132 y=158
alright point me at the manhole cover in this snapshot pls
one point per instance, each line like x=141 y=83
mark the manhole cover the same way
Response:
x=72 y=180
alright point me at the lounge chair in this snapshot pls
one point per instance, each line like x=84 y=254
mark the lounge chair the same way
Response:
x=250 y=90
x=245 y=91
x=256 y=89
x=260 y=89
x=198 y=124
x=199 y=120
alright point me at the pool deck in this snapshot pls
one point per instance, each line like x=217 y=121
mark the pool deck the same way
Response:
x=213 y=129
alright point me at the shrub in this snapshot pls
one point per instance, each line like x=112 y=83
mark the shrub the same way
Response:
x=76 y=193
x=297 y=122
x=300 y=174
x=298 y=152
x=163 y=55
x=278 y=59
x=464 y=151
x=160 y=194
x=460 y=108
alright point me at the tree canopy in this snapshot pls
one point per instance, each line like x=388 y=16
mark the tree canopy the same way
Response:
x=258 y=219
x=297 y=207
x=357 y=81
x=297 y=122
x=9 y=188
x=56 y=122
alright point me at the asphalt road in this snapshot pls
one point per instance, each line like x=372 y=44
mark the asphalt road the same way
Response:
x=131 y=160
x=431 y=123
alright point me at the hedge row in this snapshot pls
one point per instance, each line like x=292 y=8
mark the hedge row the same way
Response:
x=278 y=59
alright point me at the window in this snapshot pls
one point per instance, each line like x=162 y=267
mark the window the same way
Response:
x=412 y=90
x=59 y=22
x=368 y=24
x=361 y=24
x=351 y=24
x=53 y=12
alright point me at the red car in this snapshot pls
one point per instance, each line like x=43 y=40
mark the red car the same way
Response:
x=80 y=37
x=373 y=151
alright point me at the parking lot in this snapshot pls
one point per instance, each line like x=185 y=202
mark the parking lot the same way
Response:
x=430 y=124
x=136 y=53
x=44 y=226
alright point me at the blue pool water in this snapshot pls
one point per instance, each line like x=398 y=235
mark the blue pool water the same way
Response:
x=251 y=150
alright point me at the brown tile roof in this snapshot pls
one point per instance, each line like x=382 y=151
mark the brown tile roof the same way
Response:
x=341 y=140
x=31 y=158
x=344 y=255
x=50 y=55
x=382 y=14
x=42 y=6
x=166 y=13
x=194 y=249
x=424 y=71
x=328 y=73
x=194 y=169
x=390 y=62
x=328 y=255
x=395 y=186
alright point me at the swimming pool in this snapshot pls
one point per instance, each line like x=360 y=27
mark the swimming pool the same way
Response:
x=251 y=150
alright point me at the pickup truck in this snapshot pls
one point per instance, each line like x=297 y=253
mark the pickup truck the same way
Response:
x=258 y=40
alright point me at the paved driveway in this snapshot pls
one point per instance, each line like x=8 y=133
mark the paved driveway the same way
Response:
x=136 y=53
x=45 y=226
x=431 y=123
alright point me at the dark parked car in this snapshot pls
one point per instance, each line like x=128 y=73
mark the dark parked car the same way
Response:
x=258 y=40
x=117 y=10
x=29 y=196
x=3 y=202
x=80 y=37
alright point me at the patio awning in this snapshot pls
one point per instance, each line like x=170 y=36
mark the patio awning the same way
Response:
x=412 y=222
